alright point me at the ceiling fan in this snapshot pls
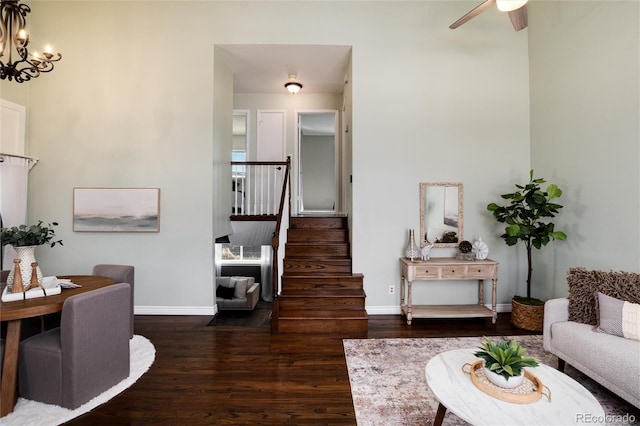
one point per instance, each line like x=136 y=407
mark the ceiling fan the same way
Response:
x=517 y=10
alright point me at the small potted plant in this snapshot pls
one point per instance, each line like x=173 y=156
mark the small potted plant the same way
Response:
x=504 y=362
x=527 y=217
x=24 y=239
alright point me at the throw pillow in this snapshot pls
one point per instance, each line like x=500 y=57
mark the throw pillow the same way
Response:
x=225 y=281
x=241 y=285
x=583 y=284
x=609 y=310
x=225 y=292
x=618 y=317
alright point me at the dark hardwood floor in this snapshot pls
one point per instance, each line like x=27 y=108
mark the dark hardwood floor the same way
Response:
x=245 y=376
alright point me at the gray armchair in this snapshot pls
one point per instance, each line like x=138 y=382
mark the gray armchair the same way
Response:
x=85 y=356
x=237 y=293
x=120 y=274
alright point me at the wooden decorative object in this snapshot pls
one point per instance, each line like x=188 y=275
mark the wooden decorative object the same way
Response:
x=531 y=390
x=17 y=286
x=469 y=257
x=527 y=317
x=34 y=276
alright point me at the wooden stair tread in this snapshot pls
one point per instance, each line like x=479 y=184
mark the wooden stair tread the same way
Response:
x=327 y=279
x=323 y=292
x=318 y=222
x=317 y=251
x=307 y=235
x=325 y=314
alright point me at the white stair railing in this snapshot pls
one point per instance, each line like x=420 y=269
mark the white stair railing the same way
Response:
x=257 y=187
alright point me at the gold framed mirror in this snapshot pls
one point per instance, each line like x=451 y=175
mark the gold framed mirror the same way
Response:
x=441 y=214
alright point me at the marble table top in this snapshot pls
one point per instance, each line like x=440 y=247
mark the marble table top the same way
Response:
x=570 y=402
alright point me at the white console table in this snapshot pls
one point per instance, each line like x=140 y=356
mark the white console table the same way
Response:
x=442 y=269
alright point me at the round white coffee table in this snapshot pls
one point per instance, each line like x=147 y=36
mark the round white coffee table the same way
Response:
x=570 y=402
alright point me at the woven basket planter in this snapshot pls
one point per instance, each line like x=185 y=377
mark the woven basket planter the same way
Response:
x=527 y=317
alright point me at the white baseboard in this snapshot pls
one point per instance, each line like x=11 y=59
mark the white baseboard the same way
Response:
x=212 y=310
x=395 y=310
x=176 y=310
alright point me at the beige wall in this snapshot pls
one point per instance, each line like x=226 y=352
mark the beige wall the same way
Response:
x=136 y=102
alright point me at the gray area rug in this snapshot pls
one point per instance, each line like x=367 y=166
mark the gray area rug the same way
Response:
x=389 y=388
x=258 y=317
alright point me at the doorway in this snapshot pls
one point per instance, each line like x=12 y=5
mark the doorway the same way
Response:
x=318 y=161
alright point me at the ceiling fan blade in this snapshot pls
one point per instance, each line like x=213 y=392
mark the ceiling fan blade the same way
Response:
x=519 y=18
x=473 y=13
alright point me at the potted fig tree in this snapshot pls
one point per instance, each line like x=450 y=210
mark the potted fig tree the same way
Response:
x=527 y=216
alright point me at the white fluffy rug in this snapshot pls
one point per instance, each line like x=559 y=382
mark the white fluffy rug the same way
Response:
x=389 y=388
x=31 y=413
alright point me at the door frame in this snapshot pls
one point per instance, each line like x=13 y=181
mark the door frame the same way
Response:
x=337 y=149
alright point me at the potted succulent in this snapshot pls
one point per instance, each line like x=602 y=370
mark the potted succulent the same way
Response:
x=504 y=362
x=24 y=239
x=527 y=217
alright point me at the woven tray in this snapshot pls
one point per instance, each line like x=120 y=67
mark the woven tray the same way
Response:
x=531 y=389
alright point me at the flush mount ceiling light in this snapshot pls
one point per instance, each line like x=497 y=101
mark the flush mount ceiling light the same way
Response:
x=292 y=85
x=14 y=40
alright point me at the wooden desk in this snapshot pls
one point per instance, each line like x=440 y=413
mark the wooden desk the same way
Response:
x=14 y=312
x=445 y=268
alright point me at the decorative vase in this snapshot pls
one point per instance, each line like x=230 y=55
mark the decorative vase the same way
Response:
x=411 y=252
x=480 y=249
x=499 y=380
x=26 y=254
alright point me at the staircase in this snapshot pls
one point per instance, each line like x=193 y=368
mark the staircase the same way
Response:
x=320 y=294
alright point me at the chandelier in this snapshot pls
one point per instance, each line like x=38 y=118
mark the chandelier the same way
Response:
x=14 y=40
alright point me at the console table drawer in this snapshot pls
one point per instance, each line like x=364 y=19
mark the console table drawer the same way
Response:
x=427 y=271
x=453 y=271
x=481 y=271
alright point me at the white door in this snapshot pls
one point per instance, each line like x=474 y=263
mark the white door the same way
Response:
x=12 y=127
x=265 y=185
x=14 y=169
x=271 y=135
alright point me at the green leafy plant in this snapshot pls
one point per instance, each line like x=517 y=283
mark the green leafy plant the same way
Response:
x=527 y=216
x=505 y=357
x=34 y=235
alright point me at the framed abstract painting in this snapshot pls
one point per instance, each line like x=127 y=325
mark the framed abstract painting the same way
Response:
x=116 y=209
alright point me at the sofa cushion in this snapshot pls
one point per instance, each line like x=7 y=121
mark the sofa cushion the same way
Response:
x=241 y=285
x=235 y=303
x=225 y=292
x=607 y=359
x=583 y=285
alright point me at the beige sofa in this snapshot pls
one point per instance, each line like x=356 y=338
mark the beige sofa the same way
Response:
x=575 y=330
x=237 y=293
